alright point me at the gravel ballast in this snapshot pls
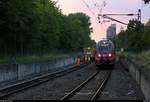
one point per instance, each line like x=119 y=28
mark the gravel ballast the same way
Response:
x=56 y=88
x=121 y=86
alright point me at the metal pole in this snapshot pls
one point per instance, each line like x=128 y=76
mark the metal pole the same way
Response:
x=139 y=15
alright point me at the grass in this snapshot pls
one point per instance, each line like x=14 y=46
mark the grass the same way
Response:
x=4 y=60
x=27 y=59
x=127 y=54
x=143 y=56
x=31 y=58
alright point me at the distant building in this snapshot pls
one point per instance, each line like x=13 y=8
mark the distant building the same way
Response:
x=121 y=29
x=111 y=31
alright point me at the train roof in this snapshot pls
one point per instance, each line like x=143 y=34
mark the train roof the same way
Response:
x=105 y=41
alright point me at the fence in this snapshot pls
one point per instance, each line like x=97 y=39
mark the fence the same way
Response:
x=11 y=72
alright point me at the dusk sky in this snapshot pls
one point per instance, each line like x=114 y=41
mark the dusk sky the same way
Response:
x=112 y=6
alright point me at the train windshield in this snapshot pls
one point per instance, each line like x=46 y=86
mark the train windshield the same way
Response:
x=105 y=48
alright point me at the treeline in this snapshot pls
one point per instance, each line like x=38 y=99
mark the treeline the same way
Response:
x=38 y=26
x=146 y=1
x=136 y=38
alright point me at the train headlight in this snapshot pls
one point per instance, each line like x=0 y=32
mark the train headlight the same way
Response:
x=109 y=55
x=99 y=55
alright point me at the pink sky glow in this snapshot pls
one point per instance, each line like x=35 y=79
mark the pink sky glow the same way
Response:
x=112 y=6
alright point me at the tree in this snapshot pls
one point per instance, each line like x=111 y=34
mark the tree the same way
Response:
x=148 y=23
x=19 y=24
x=136 y=38
x=39 y=27
x=146 y=1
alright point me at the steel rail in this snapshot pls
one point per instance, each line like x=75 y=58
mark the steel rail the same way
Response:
x=36 y=81
x=94 y=96
x=79 y=86
x=98 y=92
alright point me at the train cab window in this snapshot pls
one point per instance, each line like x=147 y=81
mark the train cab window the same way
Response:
x=105 y=48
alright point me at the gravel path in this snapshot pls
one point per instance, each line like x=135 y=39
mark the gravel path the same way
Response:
x=121 y=86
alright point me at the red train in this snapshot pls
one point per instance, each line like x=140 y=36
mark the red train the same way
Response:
x=105 y=53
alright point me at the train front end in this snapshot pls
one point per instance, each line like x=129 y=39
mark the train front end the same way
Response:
x=105 y=53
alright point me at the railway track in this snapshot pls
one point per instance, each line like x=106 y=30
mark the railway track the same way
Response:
x=74 y=94
x=8 y=90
